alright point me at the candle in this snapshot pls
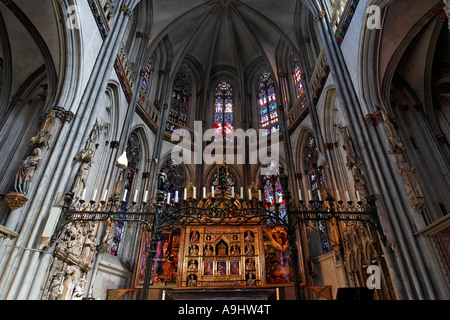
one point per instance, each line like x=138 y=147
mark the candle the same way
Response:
x=338 y=195
x=320 y=196
x=242 y=193
x=135 y=195
x=145 y=196
x=168 y=198
x=84 y=194
x=95 y=195
x=204 y=192
x=195 y=193
x=232 y=192
x=125 y=195
x=348 y=197
x=300 y=195
x=309 y=195
x=249 y=194
x=105 y=193
x=212 y=191
x=259 y=195
x=185 y=194
x=176 y=196
x=357 y=196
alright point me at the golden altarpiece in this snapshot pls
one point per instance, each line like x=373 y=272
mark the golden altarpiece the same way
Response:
x=223 y=256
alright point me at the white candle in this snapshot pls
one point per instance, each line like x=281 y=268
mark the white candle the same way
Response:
x=204 y=192
x=195 y=193
x=249 y=194
x=348 y=197
x=309 y=195
x=145 y=196
x=212 y=191
x=135 y=196
x=357 y=196
x=232 y=192
x=242 y=193
x=105 y=193
x=300 y=195
x=185 y=194
x=338 y=195
x=176 y=196
x=168 y=198
x=84 y=194
x=259 y=195
x=95 y=195
x=125 y=195
x=320 y=196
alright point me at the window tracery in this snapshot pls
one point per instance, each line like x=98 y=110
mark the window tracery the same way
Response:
x=267 y=103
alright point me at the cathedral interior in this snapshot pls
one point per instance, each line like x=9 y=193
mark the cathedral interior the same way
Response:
x=214 y=149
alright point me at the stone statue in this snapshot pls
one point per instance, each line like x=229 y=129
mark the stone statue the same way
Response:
x=360 y=184
x=56 y=286
x=79 y=289
x=394 y=142
x=352 y=158
x=409 y=177
x=25 y=173
x=79 y=184
x=70 y=280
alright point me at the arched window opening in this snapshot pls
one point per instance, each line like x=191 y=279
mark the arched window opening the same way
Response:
x=273 y=191
x=315 y=181
x=134 y=156
x=267 y=103
x=223 y=111
x=181 y=91
x=175 y=181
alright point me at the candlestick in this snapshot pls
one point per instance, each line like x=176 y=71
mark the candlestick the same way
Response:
x=84 y=194
x=95 y=195
x=249 y=194
x=320 y=196
x=204 y=192
x=232 y=192
x=195 y=193
x=176 y=196
x=259 y=195
x=357 y=196
x=242 y=193
x=300 y=195
x=212 y=191
x=348 y=196
x=135 y=195
x=168 y=197
x=125 y=195
x=185 y=194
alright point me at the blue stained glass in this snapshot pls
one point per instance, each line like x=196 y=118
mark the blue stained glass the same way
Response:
x=228 y=118
x=263 y=111
x=218 y=118
x=273 y=106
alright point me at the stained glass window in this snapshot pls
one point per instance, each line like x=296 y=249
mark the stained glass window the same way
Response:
x=267 y=103
x=315 y=180
x=134 y=155
x=227 y=175
x=273 y=191
x=178 y=112
x=224 y=107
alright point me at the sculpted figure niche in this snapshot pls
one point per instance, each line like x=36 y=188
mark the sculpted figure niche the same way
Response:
x=406 y=171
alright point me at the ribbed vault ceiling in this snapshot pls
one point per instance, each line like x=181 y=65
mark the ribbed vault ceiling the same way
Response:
x=223 y=33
